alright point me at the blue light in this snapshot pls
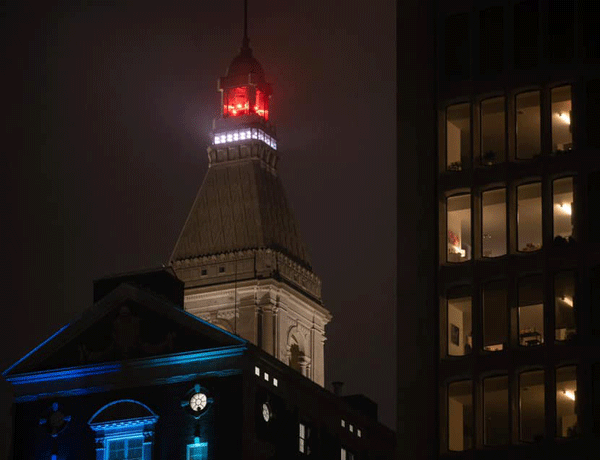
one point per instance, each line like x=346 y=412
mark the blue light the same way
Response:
x=151 y=413
x=6 y=371
x=84 y=371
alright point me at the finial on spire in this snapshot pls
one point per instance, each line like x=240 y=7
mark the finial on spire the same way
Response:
x=246 y=40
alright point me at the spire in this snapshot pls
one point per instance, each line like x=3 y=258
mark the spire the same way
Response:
x=246 y=40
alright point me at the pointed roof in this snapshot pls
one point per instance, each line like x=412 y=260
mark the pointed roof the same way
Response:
x=240 y=205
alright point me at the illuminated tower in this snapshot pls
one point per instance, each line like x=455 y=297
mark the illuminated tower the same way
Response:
x=240 y=254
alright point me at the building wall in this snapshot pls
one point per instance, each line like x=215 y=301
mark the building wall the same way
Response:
x=269 y=314
x=488 y=49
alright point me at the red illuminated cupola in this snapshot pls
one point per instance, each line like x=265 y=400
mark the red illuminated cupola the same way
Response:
x=245 y=101
x=244 y=90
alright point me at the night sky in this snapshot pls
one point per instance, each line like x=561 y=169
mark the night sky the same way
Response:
x=108 y=110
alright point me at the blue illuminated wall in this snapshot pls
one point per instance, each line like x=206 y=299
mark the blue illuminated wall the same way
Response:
x=220 y=427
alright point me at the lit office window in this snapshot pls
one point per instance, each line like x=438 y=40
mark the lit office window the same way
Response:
x=460 y=416
x=460 y=338
x=493 y=130
x=458 y=136
x=528 y=125
x=459 y=228
x=564 y=305
x=562 y=191
x=531 y=311
x=562 y=140
x=529 y=217
x=531 y=406
x=566 y=402
x=495 y=316
x=495 y=411
x=493 y=238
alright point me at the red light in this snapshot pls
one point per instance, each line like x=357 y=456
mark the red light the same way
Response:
x=239 y=106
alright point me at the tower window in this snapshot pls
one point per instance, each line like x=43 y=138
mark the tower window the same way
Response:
x=562 y=139
x=566 y=402
x=458 y=136
x=493 y=131
x=221 y=269
x=562 y=191
x=459 y=320
x=531 y=406
x=460 y=416
x=495 y=316
x=528 y=143
x=493 y=238
x=458 y=211
x=531 y=311
x=495 y=411
x=529 y=217
x=564 y=305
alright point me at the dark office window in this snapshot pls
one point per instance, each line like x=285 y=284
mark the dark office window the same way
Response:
x=561 y=30
x=460 y=416
x=491 y=40
x=493 y=131
x=593 y=110
x=531 y=406
x=457 y=53
x=527 y=106
x=590 y=15
x=495 y=316
x=594 y=206
x=495 y=411
x=596 y=397
x=595 y=299
x=526 y=34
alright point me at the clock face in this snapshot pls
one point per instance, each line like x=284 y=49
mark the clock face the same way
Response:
x=198 y=402
x=266 y=412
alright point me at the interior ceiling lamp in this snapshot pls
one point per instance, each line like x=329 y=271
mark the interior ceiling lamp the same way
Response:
x=564 y=116
x=565 y=207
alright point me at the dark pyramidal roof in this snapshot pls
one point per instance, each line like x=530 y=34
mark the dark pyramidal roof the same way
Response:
x=240 y=205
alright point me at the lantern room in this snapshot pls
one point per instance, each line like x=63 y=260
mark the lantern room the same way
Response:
x=244 y=90
x=244 y=100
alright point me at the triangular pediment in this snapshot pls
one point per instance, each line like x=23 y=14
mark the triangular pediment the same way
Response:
x=129 y=323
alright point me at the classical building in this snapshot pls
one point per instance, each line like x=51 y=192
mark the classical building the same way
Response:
x=240 y=253
x=137 y=377
x=511 y=180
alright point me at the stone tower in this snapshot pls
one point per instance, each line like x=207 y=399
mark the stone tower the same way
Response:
x=240 y=254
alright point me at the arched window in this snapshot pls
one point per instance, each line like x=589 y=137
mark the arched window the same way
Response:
x=124 y=430
x=295 y=354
